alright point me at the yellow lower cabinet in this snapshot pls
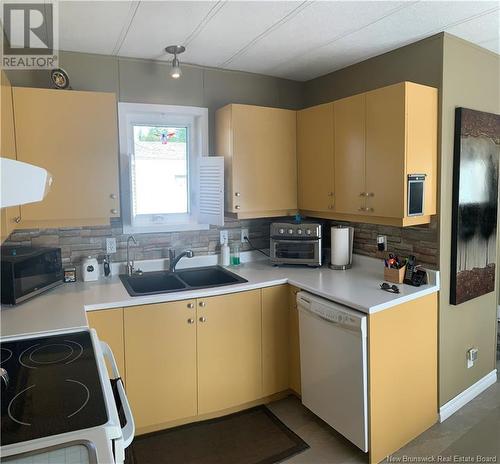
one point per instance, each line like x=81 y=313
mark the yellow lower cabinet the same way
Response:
x=294 y=342
x=229 y=350
x=275 y=309
x=160 y=354
x=108 y=324
x=402 y=343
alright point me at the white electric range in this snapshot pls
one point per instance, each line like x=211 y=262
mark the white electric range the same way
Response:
x=59 y=403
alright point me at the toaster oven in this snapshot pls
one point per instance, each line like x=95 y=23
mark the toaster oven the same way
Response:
x=296 y=244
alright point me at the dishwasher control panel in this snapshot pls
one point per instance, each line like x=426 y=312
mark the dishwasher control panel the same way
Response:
x=331 y=311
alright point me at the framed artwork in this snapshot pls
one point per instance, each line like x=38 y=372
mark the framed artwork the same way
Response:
x=475 y=204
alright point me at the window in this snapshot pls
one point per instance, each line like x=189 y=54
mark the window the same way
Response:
x=162 y=169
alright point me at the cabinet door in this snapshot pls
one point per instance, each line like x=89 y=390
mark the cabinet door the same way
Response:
x=294 y=343
x=275 y=335
x=422 y=133
x=7 y=150
x=315 y=158
x=264 y=163
x=385 y=151
x=74 y=136
x=229 y=350
x=160 y=362
x=108 y=324
x=350 y=155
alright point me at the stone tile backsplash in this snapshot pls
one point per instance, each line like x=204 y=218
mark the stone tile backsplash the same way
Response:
x=77 y=243
x=420 y=241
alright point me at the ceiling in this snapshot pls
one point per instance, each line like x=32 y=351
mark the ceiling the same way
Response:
x=290 y=39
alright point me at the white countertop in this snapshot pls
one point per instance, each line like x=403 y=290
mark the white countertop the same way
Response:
x=64 y=307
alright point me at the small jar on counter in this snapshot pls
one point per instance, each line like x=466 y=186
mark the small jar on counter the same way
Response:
x=235 y=254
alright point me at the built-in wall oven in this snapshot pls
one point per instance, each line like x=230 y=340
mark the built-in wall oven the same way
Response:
x=296 y=244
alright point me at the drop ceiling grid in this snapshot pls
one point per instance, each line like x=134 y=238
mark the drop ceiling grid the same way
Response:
x=408 y=25
x=158 y=24
x=310 y=29
x=291 y=39
x=480 y=29
x=92 y=27
x=233 y=28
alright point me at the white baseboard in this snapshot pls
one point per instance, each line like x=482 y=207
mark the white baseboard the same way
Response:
x=463 y=398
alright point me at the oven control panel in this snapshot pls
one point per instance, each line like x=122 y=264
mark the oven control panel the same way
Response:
x=285 y=230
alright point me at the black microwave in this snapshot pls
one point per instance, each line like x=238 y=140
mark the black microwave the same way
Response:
x=28 y=271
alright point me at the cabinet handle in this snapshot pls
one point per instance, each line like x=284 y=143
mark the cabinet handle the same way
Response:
x=112 y=196
x=370 y=210
x=237 y=194
x=190 y=305
x=237 y=207
x=371 y=194
x=202 y=304
x=190 y=321
x=203 y=319
x=330 y=194
x=362 y=194
x=17 y=219
x=114 y=211
x=330 y=206
x=362 y=209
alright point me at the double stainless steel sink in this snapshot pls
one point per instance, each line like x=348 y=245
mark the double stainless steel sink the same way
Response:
x=151 y=283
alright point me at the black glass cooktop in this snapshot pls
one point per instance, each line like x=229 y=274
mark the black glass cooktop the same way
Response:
x=53 y=387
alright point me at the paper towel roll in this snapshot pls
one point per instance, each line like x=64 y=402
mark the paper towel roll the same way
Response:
x=341 y=246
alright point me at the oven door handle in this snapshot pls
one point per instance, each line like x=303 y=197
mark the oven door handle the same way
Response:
x=129 y=430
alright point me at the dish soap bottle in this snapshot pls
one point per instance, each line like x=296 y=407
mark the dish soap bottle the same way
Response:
x=224 y=253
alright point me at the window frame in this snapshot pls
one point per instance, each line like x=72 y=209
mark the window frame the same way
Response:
x=196 y=120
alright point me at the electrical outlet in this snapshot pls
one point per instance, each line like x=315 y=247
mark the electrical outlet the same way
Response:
x=381 y=242
x=244 y=233
x=224 y=237
x=110 y=245
x=472 y=355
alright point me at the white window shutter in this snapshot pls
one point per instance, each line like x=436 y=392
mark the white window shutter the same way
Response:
x=211 y=190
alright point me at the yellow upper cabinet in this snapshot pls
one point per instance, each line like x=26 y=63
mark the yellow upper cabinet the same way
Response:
x=350 y=155
x=8 y=216
x=401 y=139
x=74 y=135
x=8 y=142
x=259 y=146
x=385 y=151
x=380 y=138
x=315 y=158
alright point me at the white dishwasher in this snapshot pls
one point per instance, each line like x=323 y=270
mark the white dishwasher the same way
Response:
x=333 y=364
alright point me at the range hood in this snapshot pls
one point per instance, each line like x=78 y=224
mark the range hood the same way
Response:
x=22 y=183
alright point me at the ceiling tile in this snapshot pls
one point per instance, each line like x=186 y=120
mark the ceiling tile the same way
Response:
x=415 y=22
x=236 y=25
x=314 y=26
x=92 y=27
x=483 y=28
x=158 y=24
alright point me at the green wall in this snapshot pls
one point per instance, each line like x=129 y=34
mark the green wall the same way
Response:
x=419 y=62
x=465 y=75
x=470 y=79
x=147 y=81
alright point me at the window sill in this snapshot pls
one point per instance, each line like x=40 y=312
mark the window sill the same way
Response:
x=129 y=229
